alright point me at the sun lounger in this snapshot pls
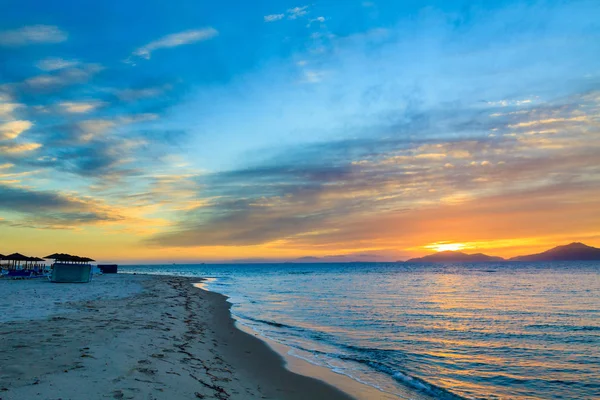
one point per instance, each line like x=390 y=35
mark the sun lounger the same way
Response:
x=19 y=274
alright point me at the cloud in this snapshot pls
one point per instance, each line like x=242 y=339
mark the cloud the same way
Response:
x=12 y=129
x=274 y=17
x=296 y=12
x=92 y=128
x=134 y=94
x=55 y=63
x=34 y=34
x=311 y=76
x=64 y=77
x=175 y=40
x=319 y=20
x=79 y=107
x=7 y=109
x=321 y=194
x=14 y=148
x=292 y=13
x=50 y=209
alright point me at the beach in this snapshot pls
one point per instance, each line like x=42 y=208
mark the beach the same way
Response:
x=136 y=337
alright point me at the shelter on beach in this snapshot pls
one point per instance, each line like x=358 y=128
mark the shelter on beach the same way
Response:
x=20 y=261
x=19 y=265
x=68 y=268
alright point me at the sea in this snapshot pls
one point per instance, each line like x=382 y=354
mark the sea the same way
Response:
x=449 y=331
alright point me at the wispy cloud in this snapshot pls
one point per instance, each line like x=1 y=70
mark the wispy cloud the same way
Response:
x=90 y=129
x=175 y=40
x=50 y=209
x=296 y=12
x=12 y=129
x=7 y=109
x=274 y=17
x=34 y=34
x=55 y=63
x=318 y=20
x=134 y=94
x=64 y=77
x=311 y=76
x=14 y=148
x=328 y=192
x=80 y=107
x=292 y=13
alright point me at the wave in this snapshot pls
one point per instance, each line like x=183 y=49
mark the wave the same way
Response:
x=564 y=327
x=270 y=323
x=401 y=377
x=404 y=378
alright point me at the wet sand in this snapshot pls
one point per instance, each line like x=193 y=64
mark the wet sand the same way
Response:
x=136 y=337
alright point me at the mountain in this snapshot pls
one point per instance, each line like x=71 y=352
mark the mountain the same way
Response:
x=307 y=259
x=570 y=252
x=454 y=256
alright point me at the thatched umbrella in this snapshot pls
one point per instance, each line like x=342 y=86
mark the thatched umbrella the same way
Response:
x=36 y=261
x=60 y=257
x=16 y=258
x=63 y=257
x=52 y=256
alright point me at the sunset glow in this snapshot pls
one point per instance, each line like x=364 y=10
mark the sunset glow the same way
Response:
x=445 y=246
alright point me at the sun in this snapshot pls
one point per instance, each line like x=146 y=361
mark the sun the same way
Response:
x=445 y=246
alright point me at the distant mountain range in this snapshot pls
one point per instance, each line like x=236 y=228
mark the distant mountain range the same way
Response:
x=571 y=252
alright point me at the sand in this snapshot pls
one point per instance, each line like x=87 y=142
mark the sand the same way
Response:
x=136 y=337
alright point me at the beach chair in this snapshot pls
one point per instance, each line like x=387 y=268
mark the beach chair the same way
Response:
x=19 y=274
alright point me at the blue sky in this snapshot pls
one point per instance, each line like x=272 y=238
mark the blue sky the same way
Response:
x=265 y=128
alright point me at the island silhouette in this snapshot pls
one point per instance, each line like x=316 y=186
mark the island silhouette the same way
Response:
x=571 y=252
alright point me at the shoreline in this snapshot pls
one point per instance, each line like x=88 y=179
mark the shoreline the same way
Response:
x=349 y=386
x=163 y=339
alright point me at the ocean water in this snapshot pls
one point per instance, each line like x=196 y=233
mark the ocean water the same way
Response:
x=476 y=331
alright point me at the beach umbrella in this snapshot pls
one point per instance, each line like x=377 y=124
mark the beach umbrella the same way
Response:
x=16 y=258
x=61 y=257
x=58 y=256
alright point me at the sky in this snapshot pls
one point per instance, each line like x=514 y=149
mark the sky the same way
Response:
x=152 y=131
